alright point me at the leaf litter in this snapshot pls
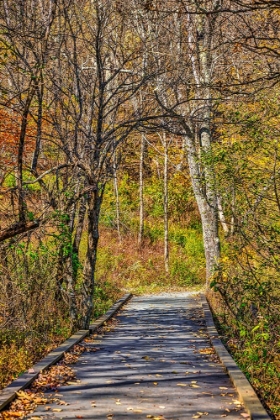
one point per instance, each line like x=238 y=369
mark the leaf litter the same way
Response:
x=49 y=380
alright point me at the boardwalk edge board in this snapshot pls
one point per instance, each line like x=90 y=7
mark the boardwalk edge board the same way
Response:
x=245 y=391
x=8 y=394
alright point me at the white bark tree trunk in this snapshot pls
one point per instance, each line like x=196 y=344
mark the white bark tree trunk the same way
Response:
x=165 y=202
x=141 y=191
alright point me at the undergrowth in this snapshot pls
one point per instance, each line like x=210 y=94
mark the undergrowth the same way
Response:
x=255 y=348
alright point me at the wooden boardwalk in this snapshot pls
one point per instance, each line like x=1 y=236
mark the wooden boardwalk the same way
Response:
x=156 y=363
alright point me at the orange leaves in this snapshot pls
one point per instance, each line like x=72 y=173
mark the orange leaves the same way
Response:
x=10 y=125
x=55 y=376
x=26 y=402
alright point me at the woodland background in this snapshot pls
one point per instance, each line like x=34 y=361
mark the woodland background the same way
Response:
x=148 y=131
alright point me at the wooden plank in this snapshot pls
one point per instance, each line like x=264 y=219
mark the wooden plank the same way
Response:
x=8 y=394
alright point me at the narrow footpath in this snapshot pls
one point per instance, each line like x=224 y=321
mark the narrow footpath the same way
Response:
x=157 y=363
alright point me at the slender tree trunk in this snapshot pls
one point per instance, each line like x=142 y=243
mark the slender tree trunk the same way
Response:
x=40 y=95
x=165 y=201
x=79 y=226
x=19 y=174
x=116 y=189
x=141 y=191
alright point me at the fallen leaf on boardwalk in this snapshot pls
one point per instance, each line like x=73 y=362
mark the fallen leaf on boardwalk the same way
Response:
x=195 y=386
x=9 y=415
x=158 y=418
x=207 y=350
x=118 y=403
x=236 y=402
x=129 y=408
x=55 y=376
x=196 y=416
x=245 y=415
x=36 y=418
x=223 y=387
x=194 y=382
x=161 y=406
x=31 y=370
x=181 y=385
x=155 y=383
x=79 y=417
x=137 y=410
x=70 y=358
x=57 y=410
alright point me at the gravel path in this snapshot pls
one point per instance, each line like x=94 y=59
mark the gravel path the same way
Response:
x=156 y=363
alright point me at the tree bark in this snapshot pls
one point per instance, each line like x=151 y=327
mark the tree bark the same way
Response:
x=165 y=205
x=94 y=205
x=141 y=191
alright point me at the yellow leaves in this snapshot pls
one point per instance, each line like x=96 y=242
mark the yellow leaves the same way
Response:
x=58 y=374
x=10 y=415
x=199 y=414
x=134 y=410
x=27 y=398
x=25 y=402
x=207 y=350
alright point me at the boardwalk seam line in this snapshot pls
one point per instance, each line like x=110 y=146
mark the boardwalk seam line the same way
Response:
x=245 y=390
x=8 y=394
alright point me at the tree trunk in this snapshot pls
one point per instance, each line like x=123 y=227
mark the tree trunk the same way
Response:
x=94 y=205
x=116 y=189
x=165 y=204
x=206 y=201
x=141 y=191
x=222 y=216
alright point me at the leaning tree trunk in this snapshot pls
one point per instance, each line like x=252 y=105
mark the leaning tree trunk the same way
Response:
x=207 y=205
x=200 y=163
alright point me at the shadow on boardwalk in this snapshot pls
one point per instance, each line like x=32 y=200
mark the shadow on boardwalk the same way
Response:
x=157 y=363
